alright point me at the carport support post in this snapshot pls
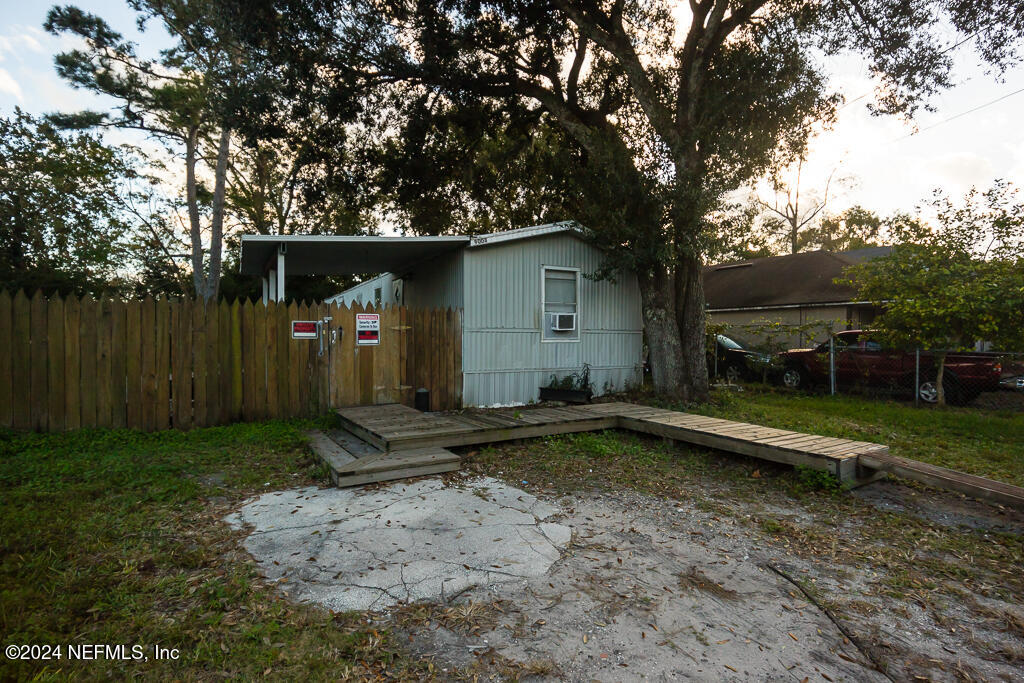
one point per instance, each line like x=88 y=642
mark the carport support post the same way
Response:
x=832 y=364
x=266 y=289
x=280 y=274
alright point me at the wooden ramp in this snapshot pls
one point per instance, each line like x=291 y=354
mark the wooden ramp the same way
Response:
x=394 y=441
x=836 y=456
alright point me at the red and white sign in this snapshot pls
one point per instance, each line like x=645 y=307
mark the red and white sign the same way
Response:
x=304 y=329
x=367 y=329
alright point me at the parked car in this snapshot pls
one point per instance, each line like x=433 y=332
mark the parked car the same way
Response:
x=860 y=359
x=735 y=363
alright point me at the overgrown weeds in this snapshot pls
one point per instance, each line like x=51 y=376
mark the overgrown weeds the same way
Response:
x=115 y=537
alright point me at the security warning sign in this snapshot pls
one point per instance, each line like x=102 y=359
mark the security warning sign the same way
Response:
x=305 y=329
x=367 y=329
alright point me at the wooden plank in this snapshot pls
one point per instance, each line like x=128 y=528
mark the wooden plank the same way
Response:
x=40 y=405
x=302 y=364
x=248 y=341
x=181 y=381
x=749 y=448
x=940 y=477
x=396 y=340
x=147 y=369
x=331 y=453
x=469 y=438
x=133 y=365
x=104 y=347
x=118 y=353
x=235 y=379
x=366 y=392
x=212 y=342
x=259 y=385
x=162 y=368
x=199 y=413
x=225 y=367
x=270 y=341
x=88 y=362
x=405 y=356
x=6 y=360
x=294 y=362
x=72 y=363
x=434 y=331
x=789 y=441
x=390 y=475
x=345 y=357
x=440 y=347
x=55 y=365
x=449 y=359
x=282 y=330
x=457 y=359
x=322 y=363
x=412 y=457
x=21 y=361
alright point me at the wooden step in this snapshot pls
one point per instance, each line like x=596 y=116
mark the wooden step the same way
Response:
x=351 y=461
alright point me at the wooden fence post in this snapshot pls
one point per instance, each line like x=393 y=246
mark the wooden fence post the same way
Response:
x=88 y=339
x=6 y=358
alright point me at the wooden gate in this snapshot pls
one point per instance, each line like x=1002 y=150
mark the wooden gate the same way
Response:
x=417 y=349
x=162 y=363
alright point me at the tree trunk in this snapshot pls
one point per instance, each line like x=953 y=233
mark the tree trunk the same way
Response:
x=217 y=220
x=192 y=202
x=690 y=316
x=661 y=330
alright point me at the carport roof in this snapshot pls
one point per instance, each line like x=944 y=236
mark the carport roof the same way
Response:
x=343 y=254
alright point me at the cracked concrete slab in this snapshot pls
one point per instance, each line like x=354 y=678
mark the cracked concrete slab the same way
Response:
x=356 y=549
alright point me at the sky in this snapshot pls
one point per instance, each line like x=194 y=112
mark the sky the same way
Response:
x=888 y=168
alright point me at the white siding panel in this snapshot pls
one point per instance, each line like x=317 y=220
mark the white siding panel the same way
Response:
x=437 y=283
x=365 y=292
x=504 y=360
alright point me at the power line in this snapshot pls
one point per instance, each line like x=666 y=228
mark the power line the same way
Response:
x=870 y=92
x=963 y=113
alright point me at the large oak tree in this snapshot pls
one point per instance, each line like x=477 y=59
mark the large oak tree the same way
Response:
x=674 y=105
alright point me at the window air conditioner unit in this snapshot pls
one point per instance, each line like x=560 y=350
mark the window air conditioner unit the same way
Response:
x=563 y=322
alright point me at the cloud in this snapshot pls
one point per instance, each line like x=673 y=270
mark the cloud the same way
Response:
x=10 y=86
x=21 y=39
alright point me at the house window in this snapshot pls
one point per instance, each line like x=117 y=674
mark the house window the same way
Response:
x=377 y=297
x=560 y=304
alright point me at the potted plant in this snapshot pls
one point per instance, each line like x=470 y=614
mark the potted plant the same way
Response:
x=573 y=388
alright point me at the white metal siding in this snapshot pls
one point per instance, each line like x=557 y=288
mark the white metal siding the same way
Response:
x=436 y=283
x=504 y=360
x=364 y=293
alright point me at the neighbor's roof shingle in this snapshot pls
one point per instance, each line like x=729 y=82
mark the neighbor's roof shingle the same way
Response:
x=805 y=278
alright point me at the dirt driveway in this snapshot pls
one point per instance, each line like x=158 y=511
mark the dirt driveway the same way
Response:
x=607 y=586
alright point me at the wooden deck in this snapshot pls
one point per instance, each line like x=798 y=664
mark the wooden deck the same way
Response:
x=394 y=441
x=397 y=427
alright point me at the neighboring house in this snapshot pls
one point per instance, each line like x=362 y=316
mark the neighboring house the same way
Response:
x=529 y=312
x=795 y=290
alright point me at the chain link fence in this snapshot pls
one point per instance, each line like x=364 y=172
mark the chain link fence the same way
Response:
x=833 y=360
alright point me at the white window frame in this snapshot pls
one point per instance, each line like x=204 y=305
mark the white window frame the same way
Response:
x=543 y=301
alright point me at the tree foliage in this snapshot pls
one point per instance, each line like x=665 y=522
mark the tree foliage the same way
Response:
x=185 y=98
x=960 y=282
x=63 y=224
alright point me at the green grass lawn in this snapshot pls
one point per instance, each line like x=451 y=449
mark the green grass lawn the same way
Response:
x=114 y=537
x=984 y=443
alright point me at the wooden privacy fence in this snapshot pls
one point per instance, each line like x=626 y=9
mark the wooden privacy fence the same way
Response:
x=161 y=363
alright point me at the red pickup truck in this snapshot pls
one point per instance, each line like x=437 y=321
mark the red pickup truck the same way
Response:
x=860 y=360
